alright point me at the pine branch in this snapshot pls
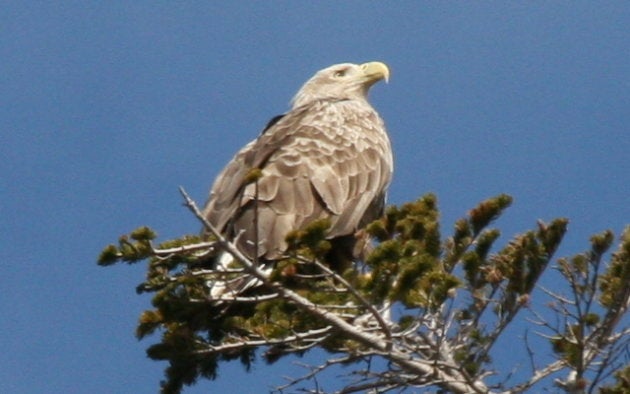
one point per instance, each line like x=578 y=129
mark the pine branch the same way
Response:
x=452 y=380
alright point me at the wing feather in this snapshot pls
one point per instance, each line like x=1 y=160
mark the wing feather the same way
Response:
x=327 y=184
x=329 y=159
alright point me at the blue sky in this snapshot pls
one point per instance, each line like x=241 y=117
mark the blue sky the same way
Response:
x=106 y=108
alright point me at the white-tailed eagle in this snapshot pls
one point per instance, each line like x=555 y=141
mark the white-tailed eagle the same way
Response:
x=328 y=157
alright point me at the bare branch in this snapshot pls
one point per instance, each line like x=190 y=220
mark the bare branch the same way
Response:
x=244 y=343
x=183 y=249
x=368 y=305
x=315 y=371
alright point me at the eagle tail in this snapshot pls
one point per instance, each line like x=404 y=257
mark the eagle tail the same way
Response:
x=233 y=287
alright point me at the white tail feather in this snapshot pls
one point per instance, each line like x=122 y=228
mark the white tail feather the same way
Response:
x=232 y=287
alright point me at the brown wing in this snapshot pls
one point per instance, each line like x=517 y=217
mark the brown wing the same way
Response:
x=326 y=160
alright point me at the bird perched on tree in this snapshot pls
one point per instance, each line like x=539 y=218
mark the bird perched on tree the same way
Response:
x=328 y=157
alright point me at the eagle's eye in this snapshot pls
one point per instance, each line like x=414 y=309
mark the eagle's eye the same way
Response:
x=340 y=73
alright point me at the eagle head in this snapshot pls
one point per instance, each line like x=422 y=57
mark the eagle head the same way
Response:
x=345 y=81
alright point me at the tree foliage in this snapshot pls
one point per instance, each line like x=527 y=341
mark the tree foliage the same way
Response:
x=433 y=307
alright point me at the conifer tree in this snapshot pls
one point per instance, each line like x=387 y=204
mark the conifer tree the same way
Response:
x=432 y=306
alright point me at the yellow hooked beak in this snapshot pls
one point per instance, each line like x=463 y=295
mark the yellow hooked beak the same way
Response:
x=375 y=71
